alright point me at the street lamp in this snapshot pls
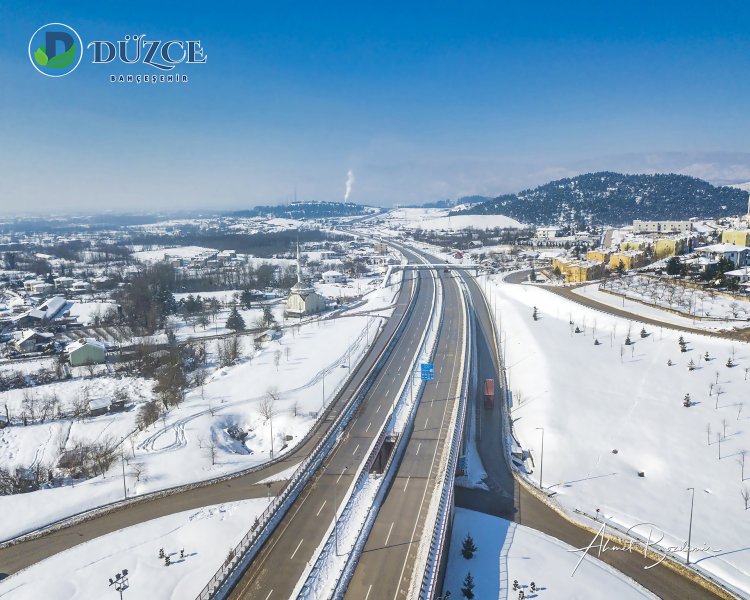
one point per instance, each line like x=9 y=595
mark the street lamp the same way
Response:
x=120 y=581
x=541 y=463
x=690 y=527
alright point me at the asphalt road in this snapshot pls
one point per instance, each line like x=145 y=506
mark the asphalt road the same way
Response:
x=507 y=499
x=386 y=566
x=283 y=559
x=17 y=556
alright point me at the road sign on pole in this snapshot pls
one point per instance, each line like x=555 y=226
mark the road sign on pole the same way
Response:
x=428 y=371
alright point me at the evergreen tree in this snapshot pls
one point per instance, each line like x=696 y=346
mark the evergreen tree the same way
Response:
x=468 y=588
x=235 y=322
x=468 y=547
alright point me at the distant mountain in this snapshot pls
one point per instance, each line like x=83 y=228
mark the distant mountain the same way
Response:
x=305 y=210
x=607 y=198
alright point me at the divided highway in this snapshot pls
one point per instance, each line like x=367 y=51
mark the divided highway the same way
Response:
x=284 y=558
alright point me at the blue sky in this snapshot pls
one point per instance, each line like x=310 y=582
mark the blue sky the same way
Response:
x=421 y=100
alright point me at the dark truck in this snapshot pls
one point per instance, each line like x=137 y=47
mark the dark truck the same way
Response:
x=489 y=393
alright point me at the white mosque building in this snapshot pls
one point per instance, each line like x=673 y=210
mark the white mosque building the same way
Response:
x=303 y=300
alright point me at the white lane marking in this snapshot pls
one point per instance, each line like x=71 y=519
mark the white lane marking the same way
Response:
x=427 y=421
x=407 y=482
x=388 y=537
x=269 y=594
x=317 y=514
x=340 y=476
x=369 y=589
x=368 y=427
x=419 y=447
x=355 y=450
x=295 y=550
x=379 y=407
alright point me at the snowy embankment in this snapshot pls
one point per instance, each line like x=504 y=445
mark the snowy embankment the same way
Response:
x=438 y=219
x=712 y=312
x=617 y=438
x=204 y=535
x=507 y=552
x=198 y=440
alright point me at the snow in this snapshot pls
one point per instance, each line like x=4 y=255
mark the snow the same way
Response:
x=206 y=535
x=507 y=552
x=716 y=310
x=88 y=312
x=438 y=219
x=185 y=252
x=306 y=378
x=593 y=400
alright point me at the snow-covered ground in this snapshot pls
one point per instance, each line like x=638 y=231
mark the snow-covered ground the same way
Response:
x=610 y=411
x=507 y=552
x=89 y=312
x=205 y=535
x=304 y=372
x=438 y=219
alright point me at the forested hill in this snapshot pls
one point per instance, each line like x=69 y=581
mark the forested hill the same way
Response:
x=305 y=210
x=607 y=198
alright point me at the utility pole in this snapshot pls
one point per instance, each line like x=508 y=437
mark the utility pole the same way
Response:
x=124 y=487
x=541 y=464
x=690 y=527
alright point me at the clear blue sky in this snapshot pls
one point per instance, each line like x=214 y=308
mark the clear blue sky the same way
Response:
x=421 y=100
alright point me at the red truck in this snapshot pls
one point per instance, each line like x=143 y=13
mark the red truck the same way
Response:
x=489 y=393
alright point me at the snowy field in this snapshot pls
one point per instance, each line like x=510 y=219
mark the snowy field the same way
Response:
x=438 y=219
x=610 y=411
x=205 y=535
x=507 y=552
x=301 y=372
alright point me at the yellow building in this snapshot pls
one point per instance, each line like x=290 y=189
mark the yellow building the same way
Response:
x=669 y=247
x=630 y=259
x=576 y=271
x=599 y=256
x=740 y=237
x=634 y=245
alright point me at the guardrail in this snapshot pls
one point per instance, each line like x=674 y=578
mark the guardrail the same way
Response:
x=437 y=539
x=221 y=582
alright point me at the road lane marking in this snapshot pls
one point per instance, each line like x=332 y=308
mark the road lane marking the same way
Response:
x=317 y=514
x=407 y=482
x=379 y=407
x=295 y=550
x=339 y=477
x=427 y=421
x=388 y=537
x=369 y=589
x=269 y=594
x=418 y=448
x=355 y=450
x=368 y=427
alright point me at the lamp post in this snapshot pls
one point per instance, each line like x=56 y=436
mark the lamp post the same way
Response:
x=690 y=527
x=120 y=582
x=541 y=463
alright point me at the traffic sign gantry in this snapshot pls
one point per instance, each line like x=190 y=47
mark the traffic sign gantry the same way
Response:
x=428 y=371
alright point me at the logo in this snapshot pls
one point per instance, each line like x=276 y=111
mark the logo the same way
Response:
x=55 y=49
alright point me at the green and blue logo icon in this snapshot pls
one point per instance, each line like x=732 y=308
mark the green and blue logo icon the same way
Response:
x=55 y=49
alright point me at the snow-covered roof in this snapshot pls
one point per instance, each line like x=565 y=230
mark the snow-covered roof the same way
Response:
x=80 y=343
x=49 y=309
x=28 y=334
x=332 y=274
x=97 y=403
x=722 y=248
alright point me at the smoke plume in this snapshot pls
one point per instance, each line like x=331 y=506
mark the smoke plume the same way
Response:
x=349 y=184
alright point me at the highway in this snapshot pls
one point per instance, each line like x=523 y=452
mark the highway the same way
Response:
x=16 y=556
x=386 y=566
x=303 y=528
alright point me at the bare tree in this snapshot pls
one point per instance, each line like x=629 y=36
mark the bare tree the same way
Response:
x=708 y=433
x=724 y=427
x=745 y=496
x=211 y=449
x=267 y=410
x=277 y=359
x=740 y=406
x=741 y=460
x=719 y=392
x=295 y=407
x=287 y=351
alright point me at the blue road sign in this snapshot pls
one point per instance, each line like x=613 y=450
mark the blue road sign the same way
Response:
x=428 y=371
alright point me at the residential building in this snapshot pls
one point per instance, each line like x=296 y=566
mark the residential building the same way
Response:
x=547 y=233
x=662 y=226
x=600 y=256
x=739 y=256
x=630 y=259
x=740 y=237
x=665 y=247
x=578 y=271
x=30 y=340
x=333 y=277
x=86 y=351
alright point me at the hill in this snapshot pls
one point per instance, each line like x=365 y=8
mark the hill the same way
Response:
x=607 y=198
x=305 y=210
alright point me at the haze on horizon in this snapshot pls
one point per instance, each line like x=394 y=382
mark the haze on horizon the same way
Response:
x=420 y=102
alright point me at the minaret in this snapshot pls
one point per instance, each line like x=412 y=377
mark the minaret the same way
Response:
x=299 y=268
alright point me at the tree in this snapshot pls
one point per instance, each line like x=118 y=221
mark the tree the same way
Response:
x=674 y=267
x=277 y=359
x=686 y=401
x=268 y=320
x=741 y=460
x=745 y=496
x=468 y=547
x=267 y=410
x=235 y=322
x=468 y=587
